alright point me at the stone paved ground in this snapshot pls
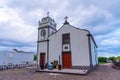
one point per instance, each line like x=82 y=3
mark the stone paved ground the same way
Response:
x=102 y=72
x=70 y=71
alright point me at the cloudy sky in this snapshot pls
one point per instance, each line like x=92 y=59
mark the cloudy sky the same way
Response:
x=19 y=22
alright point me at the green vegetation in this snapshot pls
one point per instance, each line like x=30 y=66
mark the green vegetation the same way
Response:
x=35 y=57
x=118 y=58
x=103 y=60
x=112 y=58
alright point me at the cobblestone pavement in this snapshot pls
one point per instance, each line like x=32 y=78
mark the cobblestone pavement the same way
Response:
x=102 y=72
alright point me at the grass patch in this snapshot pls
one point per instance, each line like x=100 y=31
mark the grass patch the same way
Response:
x=102 y=62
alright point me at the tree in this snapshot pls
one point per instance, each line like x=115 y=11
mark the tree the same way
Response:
x=111 y=58
x=102 y=59
x=35 y=57
x=118 y=58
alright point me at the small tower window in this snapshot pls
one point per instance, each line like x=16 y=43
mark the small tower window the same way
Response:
x=43 y=33
x=66 y=38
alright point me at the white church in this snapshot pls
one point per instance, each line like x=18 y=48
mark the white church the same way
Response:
x=69 y=46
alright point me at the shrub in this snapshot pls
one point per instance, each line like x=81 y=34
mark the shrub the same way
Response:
x=35 y=57
x=102 y=59
x=111 y=58
x=118 y=58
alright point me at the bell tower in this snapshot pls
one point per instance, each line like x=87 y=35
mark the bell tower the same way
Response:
x=46 y=27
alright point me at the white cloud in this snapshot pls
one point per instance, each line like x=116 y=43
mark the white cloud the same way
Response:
x=36 y=13
x=110 y=42
x=89 y=17
x=9 y=15
x=15 y=28
x=111 y=39
x=19 y=20
x=105 y=54
x=27 y=49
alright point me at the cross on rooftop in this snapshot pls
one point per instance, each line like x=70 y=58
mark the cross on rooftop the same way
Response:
x=66 y=18
x=66 y=22
x=48 y=14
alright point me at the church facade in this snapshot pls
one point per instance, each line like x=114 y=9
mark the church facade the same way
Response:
x=70 y=47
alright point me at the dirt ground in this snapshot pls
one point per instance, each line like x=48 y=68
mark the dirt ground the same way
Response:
x=102 y=72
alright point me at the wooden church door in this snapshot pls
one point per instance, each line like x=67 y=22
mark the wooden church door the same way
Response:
x=66 y=59
x=42 y=59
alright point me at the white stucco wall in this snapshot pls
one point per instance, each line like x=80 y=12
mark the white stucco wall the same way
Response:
x=55 y=47
x=42 y=48
x=22 y=58
x=9 y=57
x=93 y=52
x=4 y=57
x=79 y=46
